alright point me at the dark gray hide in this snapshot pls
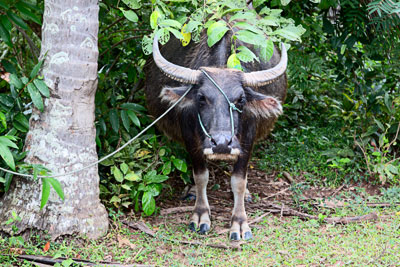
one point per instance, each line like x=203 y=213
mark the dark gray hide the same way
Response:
x=261 y=105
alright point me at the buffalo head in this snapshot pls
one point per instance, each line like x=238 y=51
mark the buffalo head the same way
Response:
x=220 y=113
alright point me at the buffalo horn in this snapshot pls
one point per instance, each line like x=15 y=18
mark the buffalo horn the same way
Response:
x=178 y=73
x=260 y=78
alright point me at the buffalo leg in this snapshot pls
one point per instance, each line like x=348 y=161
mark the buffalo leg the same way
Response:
x=201 y=213
x=239 y=225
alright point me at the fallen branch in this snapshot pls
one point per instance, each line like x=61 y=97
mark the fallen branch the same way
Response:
x=176 y=210
x=140 y=226
x=48 y=261
x=336 y=220
x=276 y=194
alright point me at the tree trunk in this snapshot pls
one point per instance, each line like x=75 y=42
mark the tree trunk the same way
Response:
x=62 y=138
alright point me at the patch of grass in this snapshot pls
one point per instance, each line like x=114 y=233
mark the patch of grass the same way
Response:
x=286 y=241
x=318 y=153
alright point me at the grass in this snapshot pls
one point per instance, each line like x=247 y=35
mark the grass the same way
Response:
x=314 y=153
x=279 y=241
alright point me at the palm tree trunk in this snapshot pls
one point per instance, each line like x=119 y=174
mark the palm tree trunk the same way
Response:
x=62 y=138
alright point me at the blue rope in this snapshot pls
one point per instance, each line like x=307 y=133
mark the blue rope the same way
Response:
x=231 y=107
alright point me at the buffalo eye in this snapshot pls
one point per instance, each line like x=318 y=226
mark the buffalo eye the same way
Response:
x=202 y=100
x=240 y=102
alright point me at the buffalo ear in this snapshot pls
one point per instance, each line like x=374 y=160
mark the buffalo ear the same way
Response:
x=171 y=95
x=262 y=106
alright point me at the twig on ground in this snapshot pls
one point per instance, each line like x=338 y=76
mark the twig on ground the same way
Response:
x=48 y=261
x=288 y=177
x=336 y=220
x=140 y=226
x=337 y=191
x=276 y=194
x=176 y=210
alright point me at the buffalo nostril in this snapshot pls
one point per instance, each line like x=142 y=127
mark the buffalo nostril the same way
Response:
x=230 y=142
x=213 y=142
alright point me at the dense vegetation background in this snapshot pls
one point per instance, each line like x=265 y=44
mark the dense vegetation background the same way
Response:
x=341 y=117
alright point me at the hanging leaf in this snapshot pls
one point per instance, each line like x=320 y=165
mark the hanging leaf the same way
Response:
x=21 y=123
x=36 y=69
x=125 y=120
x=134 y=4
x=246 y=55
x=215 y=33
x=42 y=86
x=24 y=9
x=154 y=18
x=130 y=15
x=148 y=203
x=35 y=96
x=56 y=186
x=180 y=164
x=7 y=156
x=114 y=119
x=234 y=62
x=5 y=35
x=117 y=174
x=133 y=117
x=17 y=20
x=45 y=192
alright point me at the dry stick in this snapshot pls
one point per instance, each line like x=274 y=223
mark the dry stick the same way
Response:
x=51 y=261
x=142 y=227
x=280 y=192
x=335 y=220
x=337 y=191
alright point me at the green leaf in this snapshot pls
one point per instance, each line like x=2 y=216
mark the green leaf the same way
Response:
x=133 y=117
x=3 y=120
x=126 y=187
x=115 y=199
x=176 y=33
x=7 y=156
x=257 y=3
x=166 y=168
x=36 y=69
x=245 y=54
x=247 y=16
x=9 y=177
x=215 y=33
x=42 y=86
x=45 y=192
x=21 y=123
x=14 y=80
x=125 y=120
x=56 y=186
x=153 y=177
x=24 y=9
x=114 y=119
x=130 y=15
x=171 y=23
x=153 y=18
x=4 y=140
x=133 y=106
x=148 y=203
x=5 y=35
x=4 y=5
x=191 y=26
x=246 y=26
x=291 y=32
x=133 y=177
x=6 y=23
x=17 y=20
x=180 y=164
x=234 y=62
x=285 y=2
x=117 y=174
x=380 y=125
x=250 y=37
x=35 y=96
x=267 y=50
x=124 y=167
x=134 y=4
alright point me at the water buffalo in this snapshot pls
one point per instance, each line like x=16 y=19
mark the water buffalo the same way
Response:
x=221 y=117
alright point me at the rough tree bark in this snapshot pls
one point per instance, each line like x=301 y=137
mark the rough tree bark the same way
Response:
x=62 y=138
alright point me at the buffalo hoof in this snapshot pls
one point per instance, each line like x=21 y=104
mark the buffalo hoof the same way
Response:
x=192 y=227
x=204 y=228
x=235 y=236
x=248 y=235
